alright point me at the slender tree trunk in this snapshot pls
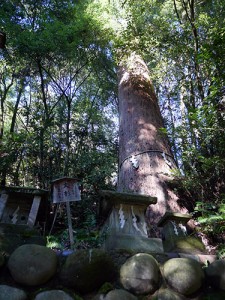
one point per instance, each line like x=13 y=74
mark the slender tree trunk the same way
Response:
x=67 y=155
x=145 y=158
x=13 y=122
x=3 y=95
x=1 y=120
x=41 y=177
x=173 y=128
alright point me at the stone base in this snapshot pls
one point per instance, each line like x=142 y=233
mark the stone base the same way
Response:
x=186 y=244
x=133 y=243
x=204 y=259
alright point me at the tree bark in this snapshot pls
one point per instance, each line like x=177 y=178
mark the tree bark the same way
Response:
x=145 y=158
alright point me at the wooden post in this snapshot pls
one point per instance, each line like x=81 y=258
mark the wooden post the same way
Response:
x=34 y=211
x=3 y=200
x=70 y=224
x=66 y=189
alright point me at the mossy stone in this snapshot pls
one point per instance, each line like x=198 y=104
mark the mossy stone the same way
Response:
x=183 y=275
x=86 y=270
x=32 y=265
x=190 y=243
x=140 y=274
x=186 y=244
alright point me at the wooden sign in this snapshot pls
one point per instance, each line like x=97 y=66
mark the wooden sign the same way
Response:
x=65 y=190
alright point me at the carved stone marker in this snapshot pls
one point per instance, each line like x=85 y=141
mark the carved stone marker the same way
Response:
x=125 y=226
x=175 y=237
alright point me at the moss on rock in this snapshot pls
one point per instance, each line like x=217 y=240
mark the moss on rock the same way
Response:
x=140 y=274
x=86 y=270
x=183 y=275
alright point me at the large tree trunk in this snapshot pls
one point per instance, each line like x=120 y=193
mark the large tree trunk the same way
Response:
x=145 y=158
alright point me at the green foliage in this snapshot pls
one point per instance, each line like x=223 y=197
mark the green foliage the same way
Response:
x=64 y=95
x=221 y=251
x=54 y=242
x=87 y=230
x=211 y=221
x=211 y=216
x=86 y=226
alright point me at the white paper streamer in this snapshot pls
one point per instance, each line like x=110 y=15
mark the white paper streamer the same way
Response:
x=175 y=227
x=121 y=217
x=183 y=228
x=134 y=219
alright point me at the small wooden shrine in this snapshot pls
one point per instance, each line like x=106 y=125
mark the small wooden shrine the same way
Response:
x=24 y=206
x=175 y=235
x=125 y=226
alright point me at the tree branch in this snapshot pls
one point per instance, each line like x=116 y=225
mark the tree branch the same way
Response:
x=176 y=11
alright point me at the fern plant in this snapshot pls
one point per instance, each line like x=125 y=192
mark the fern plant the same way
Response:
x=211 y=219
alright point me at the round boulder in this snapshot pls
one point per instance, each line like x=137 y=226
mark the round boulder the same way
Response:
x=140 y=274
x=54 y=294
x=120 y=294
x=215 y=274
x=11 y=293
x=86 y=270
x=184 y=275
x=32 y=265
